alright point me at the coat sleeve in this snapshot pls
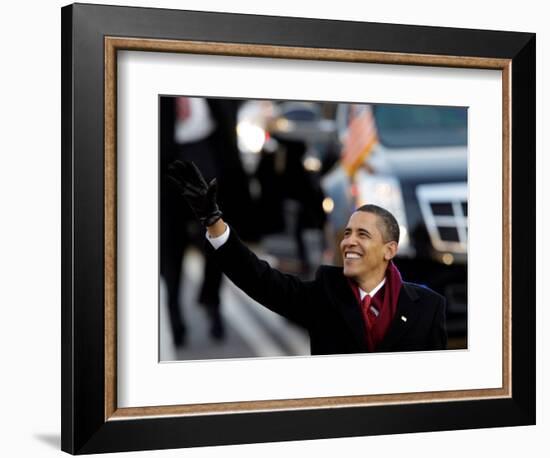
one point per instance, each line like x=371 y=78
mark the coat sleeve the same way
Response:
x=282 y=293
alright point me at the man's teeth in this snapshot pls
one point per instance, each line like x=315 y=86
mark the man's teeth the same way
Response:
x=352 y=256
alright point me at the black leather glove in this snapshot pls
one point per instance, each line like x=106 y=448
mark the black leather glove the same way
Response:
x=200 y=196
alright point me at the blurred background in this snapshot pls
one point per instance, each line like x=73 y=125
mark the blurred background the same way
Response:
x=290 y=174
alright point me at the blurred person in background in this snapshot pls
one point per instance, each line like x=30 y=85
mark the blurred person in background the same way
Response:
x=283 y=177
x=204 y=131
x=291 y=201
x=361 y=307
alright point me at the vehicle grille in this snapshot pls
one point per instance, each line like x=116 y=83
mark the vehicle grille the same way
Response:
x=444 y=208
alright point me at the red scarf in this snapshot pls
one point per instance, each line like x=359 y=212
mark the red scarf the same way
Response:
x=385 y=301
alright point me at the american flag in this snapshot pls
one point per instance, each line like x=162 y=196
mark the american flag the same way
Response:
x=360 y=138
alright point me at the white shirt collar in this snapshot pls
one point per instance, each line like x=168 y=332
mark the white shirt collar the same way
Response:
x=373 y=291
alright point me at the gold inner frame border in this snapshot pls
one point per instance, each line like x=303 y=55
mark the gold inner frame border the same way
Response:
x=114 y=44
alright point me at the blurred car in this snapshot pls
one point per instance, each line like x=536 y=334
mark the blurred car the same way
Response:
x=262 y=123
x=417 y=169
x=286 y=144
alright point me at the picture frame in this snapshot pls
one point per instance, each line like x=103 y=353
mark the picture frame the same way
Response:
x=92 y=35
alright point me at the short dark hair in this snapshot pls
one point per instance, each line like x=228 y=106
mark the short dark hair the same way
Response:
x=390 y=227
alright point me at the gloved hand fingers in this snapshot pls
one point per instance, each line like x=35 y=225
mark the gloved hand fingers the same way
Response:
x=177 y=170
x=187 y=189
x=174 y=178
x=200 y=196
x=187 y=171
x=194 y=171
x=190 y=190
x=212 y=190
x=175 y=183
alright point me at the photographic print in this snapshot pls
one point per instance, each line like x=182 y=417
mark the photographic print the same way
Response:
x=290 y=174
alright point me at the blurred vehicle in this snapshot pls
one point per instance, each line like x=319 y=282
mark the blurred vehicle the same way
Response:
x=285 y=145
x=417 y=169
x=263 y=123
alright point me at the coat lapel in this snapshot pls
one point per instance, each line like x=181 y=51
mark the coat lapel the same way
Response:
x=405 y=315
x=341 y=295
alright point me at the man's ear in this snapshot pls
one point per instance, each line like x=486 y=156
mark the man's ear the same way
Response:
x=390 y=250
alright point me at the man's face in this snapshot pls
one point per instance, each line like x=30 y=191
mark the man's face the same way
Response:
x=363 y=249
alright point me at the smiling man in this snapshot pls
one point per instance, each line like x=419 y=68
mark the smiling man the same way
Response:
x=361 y=307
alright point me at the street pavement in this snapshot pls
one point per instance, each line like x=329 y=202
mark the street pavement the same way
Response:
x=251 y=329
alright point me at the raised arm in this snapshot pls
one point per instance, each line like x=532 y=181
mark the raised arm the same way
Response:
x=284 y=294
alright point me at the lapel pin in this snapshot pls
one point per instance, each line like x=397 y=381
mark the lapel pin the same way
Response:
x=404 y=318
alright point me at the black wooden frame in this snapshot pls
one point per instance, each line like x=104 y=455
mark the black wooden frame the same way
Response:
x=84 y=427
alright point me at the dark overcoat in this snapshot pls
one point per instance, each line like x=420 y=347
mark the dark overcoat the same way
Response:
x=327 y=307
